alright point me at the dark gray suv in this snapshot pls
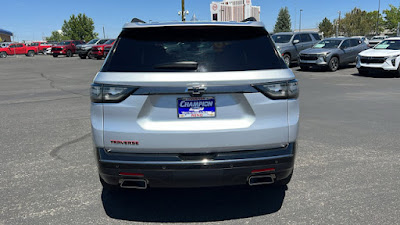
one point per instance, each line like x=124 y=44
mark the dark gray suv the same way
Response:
x=332 y=52
x=290 y=44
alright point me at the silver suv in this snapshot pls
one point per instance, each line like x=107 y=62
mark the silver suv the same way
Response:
x=290 y=44
x=194 y=104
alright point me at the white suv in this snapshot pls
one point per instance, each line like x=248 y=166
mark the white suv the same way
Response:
x=385 y=56
x=194 y=104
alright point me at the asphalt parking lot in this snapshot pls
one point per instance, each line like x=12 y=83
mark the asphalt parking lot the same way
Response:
x=346 y=171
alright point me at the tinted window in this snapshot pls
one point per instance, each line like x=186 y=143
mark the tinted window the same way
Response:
x=327 y=44
x=389 y=44
x=102 y=41
x=284 y=38
x=92 y=41
x=354 y=42
x=209 y=49
x=19 y=45
x=109 y=42
x=297 y=37
x=316 y=36
x=345 y=44
x=305 y=37
x=65 y=43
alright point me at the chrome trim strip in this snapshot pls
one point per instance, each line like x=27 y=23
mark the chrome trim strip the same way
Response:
x=202 y=162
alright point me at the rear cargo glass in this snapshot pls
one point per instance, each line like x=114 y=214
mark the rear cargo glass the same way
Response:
x=209 y=48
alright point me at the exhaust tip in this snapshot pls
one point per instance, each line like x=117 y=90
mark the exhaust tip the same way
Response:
x=262 y=179
x=134 y=183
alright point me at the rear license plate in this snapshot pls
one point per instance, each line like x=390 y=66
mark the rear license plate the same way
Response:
x=196 y=107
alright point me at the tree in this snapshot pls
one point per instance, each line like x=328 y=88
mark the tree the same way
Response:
x=392 y=17
x=79 y=27
x=283 y=22
x=359 y=22
x=57 y=36
x=373 y=17
x=326 y=27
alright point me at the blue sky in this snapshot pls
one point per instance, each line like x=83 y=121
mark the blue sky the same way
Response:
x=31 y=20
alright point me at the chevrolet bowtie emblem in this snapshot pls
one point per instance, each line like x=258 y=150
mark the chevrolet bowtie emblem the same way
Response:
x=196 y=91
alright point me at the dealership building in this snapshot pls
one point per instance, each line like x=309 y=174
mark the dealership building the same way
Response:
x=5 y=35
x=234 y=10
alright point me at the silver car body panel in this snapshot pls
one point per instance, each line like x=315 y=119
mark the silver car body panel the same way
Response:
x=244 y=121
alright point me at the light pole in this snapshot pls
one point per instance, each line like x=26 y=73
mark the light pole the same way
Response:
x=338 y=25
x=300 y=20
x=183 y=13
x=377 y=18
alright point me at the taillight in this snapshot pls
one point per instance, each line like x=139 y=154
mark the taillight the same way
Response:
x=102 y=93
x=279 y=90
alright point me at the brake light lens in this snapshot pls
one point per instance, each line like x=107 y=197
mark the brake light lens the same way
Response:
x=279 y=90
x=101 y=93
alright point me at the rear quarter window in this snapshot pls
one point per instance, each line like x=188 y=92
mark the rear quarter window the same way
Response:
x=213 y=48
x=316 y=36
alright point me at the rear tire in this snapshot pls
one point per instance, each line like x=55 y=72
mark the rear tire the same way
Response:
x=287 y=59
x=333 y=64
x=82 y=56
x=69 y=53
x=90 y=55
x=55 y=55
x=3 y=55
x=31 y=53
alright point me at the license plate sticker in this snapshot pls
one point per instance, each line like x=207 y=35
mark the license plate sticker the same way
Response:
x=196 y=107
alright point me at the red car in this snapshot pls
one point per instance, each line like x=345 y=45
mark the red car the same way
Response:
x=67 y=48
x=41 y=46
x=18 y=49
x=98 y=51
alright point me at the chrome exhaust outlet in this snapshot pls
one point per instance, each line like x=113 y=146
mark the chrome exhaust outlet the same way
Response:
x=133 y=183
x=261 y=179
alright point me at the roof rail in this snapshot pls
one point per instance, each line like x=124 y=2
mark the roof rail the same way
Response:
x=136 y=20
x=249 y=19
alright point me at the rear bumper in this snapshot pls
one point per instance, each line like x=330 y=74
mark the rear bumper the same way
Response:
x=177 y=170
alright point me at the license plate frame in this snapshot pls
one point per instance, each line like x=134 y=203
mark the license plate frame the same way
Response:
x=196 y=107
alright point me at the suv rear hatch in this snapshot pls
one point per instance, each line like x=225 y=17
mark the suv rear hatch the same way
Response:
x=193 y=89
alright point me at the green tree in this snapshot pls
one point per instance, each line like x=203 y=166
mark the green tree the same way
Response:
x=57 y=36
x=392 y=17
x=283 y=23
x=326 y=27
x=79 y=27
x=359 y=22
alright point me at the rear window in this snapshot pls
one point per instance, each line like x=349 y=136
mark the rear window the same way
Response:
x=197 y=49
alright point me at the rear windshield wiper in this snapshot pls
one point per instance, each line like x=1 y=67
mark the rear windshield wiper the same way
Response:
x=183 y=65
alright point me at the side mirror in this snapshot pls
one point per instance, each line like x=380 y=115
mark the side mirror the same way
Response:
x=296 y=41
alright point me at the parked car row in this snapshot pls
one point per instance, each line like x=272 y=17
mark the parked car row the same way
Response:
x=307 y=50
